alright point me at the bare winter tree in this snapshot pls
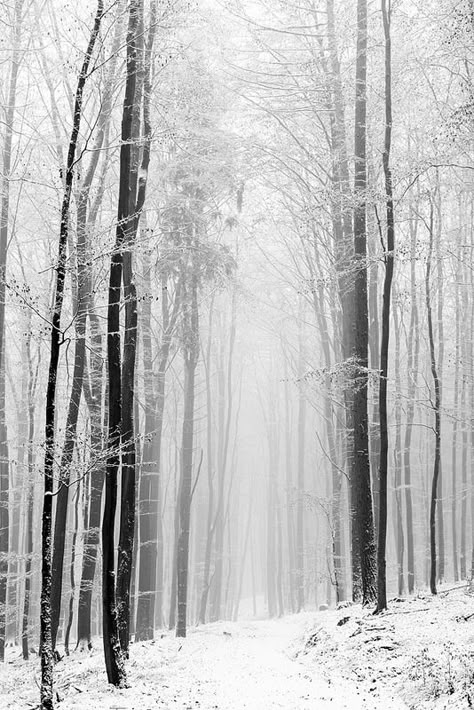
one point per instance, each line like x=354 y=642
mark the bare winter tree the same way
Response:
x=46 y=640
x=360 y=485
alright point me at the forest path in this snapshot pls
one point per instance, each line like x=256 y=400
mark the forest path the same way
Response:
x=248 y=665
x=253 y=665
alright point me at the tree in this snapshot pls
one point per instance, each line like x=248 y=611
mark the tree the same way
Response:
x=92 y=379
x=436 y=407
x=150 y=578
x=120 y=424
x=46 y=638
x=387 y=288
x=4 y=238
x=360 y=483
x=190 y=356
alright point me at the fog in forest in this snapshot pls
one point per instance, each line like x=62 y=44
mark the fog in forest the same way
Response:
x=236 y=319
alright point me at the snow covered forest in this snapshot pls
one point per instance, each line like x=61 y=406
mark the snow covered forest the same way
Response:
x=237 y=354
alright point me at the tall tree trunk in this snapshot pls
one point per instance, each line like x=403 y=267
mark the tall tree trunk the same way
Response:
x=72 y=563
x=456 y=417
x=93 y=388
x=271 y=541
x=397 y=464
x=115 y=621
x=93 y=397
x=436 y=407
x=46 y=640
x=206 y=582
x=386 y=308
x=69 y=444
x=413 y=348
x=235 y=612
x=466 y=416
x=440 y=364
x=174 y=556
x=84 y=298
x=148 y=510
x=32 y=376
x=127 y=522
x=344 y=250
x=360 y=479
x=374 y=360
x=150 y=580
x=225 y=418
x=191 y=354
x=128 y=493
x=329 y=396
x=290 y=527
x=300 y=566
x=4 y=226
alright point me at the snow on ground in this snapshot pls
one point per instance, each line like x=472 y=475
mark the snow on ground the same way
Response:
x=417 y=655
x=420 y=651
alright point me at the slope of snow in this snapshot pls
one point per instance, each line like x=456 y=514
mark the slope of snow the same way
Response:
x=420 y=651
x=419 y=654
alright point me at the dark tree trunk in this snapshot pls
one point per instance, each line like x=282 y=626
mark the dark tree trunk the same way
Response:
x=374 y=360
x=466 y=415
x=439 y=367
x=46 y=640
x=386 y=308
x=127 y=426
x=114 y=631
x=436 y=408
x=68 y=449
x=127 y=520
x=93 y=389
x=360 y=480
x=127 y=510
x=84 y=302
x=72 y=578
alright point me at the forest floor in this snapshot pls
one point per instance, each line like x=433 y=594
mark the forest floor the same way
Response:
x=417 y=655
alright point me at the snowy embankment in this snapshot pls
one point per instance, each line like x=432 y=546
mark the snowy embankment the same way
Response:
x=419 y=654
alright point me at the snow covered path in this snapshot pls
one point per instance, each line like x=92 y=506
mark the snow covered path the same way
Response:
x=254 y=668
x=419 y=655
x=224 y=666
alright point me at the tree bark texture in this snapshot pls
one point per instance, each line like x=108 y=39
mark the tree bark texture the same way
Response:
x=360 y=480
x=436 y=407
x=115 y=607
x=46 y=640
x=386 y=309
